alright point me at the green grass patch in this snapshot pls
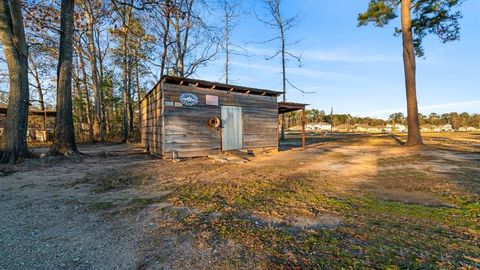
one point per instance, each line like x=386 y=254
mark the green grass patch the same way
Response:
x=375 y=233
x=270 y=197
x=138 y=201
x=466 y=216
x=101 y=205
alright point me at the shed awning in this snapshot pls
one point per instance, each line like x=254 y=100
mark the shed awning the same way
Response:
x=286 y=107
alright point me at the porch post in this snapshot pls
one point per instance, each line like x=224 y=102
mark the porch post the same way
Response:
x=303 y=128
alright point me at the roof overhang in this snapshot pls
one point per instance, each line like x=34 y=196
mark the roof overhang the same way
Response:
x=286 y=107
x=216 y=86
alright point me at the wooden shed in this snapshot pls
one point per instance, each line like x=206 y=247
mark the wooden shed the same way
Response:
x=189 y=118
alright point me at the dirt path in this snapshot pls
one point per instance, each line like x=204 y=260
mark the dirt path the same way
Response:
x=46 y=222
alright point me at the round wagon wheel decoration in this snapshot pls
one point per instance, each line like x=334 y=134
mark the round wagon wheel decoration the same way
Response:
x=214 y=122
x=188 y=99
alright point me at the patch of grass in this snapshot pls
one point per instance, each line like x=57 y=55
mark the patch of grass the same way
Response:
x=118 y=181
x=466 y=216
x=274 y=198
x=373 y=241
x=101 y=206
x=138 y=201
x=375 y=233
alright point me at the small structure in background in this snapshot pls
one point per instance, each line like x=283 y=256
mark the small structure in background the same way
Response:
x=343 y=128
x=322 y=126
x=447 y=128
x=189 y=118
x=429 y=128
x=400 y=128
x=466 y=129
x=40 y=124
x=286 y=107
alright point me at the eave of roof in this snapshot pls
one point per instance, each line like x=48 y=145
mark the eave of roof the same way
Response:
x=215 y=86
x=286 y=107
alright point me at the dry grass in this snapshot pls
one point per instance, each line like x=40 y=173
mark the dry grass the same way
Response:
x=350 y=201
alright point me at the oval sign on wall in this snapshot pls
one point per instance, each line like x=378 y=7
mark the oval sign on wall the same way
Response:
x=188 y=99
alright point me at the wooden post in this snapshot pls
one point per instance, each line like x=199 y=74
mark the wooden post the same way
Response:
x=303 y=128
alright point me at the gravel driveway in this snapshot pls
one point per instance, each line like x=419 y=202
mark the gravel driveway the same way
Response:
x=46 y=221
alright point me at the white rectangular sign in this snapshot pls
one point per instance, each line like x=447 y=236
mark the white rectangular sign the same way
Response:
x=212 y=100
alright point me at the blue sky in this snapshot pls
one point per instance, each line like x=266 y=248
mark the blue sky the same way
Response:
x=357 y=70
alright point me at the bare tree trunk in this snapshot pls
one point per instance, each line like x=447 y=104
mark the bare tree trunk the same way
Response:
x=166 y=31
x=106 y=126
x=414 y=136
x=99 y=126
x=284 y=80
x=227 y=41
x=125 y=79
x=183 y=50
x=130 y=97
x=80 y=108
x=108 y=103
x=87 y=94
x=12 y=36
x=178 y=41
x=41 y=100
x=139 y=96
x=64 y=140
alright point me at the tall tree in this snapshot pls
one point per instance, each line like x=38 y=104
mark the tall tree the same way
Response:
x=89 y=8
x=12 y=36
x=194 y=41
x=282 y=25
x=438 y=17
x=166 y=13
x=125 y=14
x=229 y=9
x=81 y=66
x=64 y=138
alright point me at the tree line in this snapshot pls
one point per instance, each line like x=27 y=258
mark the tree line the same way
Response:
x=314 y=116
x=90 y=59
x=455 y=119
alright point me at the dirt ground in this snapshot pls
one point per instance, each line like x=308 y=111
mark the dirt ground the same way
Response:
x=347 y=201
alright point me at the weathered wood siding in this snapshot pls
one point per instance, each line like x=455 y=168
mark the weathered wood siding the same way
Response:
x=152 y=123
x=187 y=131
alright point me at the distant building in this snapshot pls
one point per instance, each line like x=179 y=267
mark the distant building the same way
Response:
x=375 y=129
x=361 y=128
x=37 y=129
x=466 y=129
x=388 y=128
x=430 y=128
x=322 y=126
x=400 y=127
x=447 y=128
x=343 y=128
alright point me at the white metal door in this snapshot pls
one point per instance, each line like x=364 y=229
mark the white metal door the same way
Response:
x=232 y=128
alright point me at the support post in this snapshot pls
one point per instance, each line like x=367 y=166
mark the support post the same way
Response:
x=303 y=128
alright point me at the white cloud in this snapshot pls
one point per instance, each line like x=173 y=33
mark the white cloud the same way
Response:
x=450 y=105
x=333 y=55
x=305 y=72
